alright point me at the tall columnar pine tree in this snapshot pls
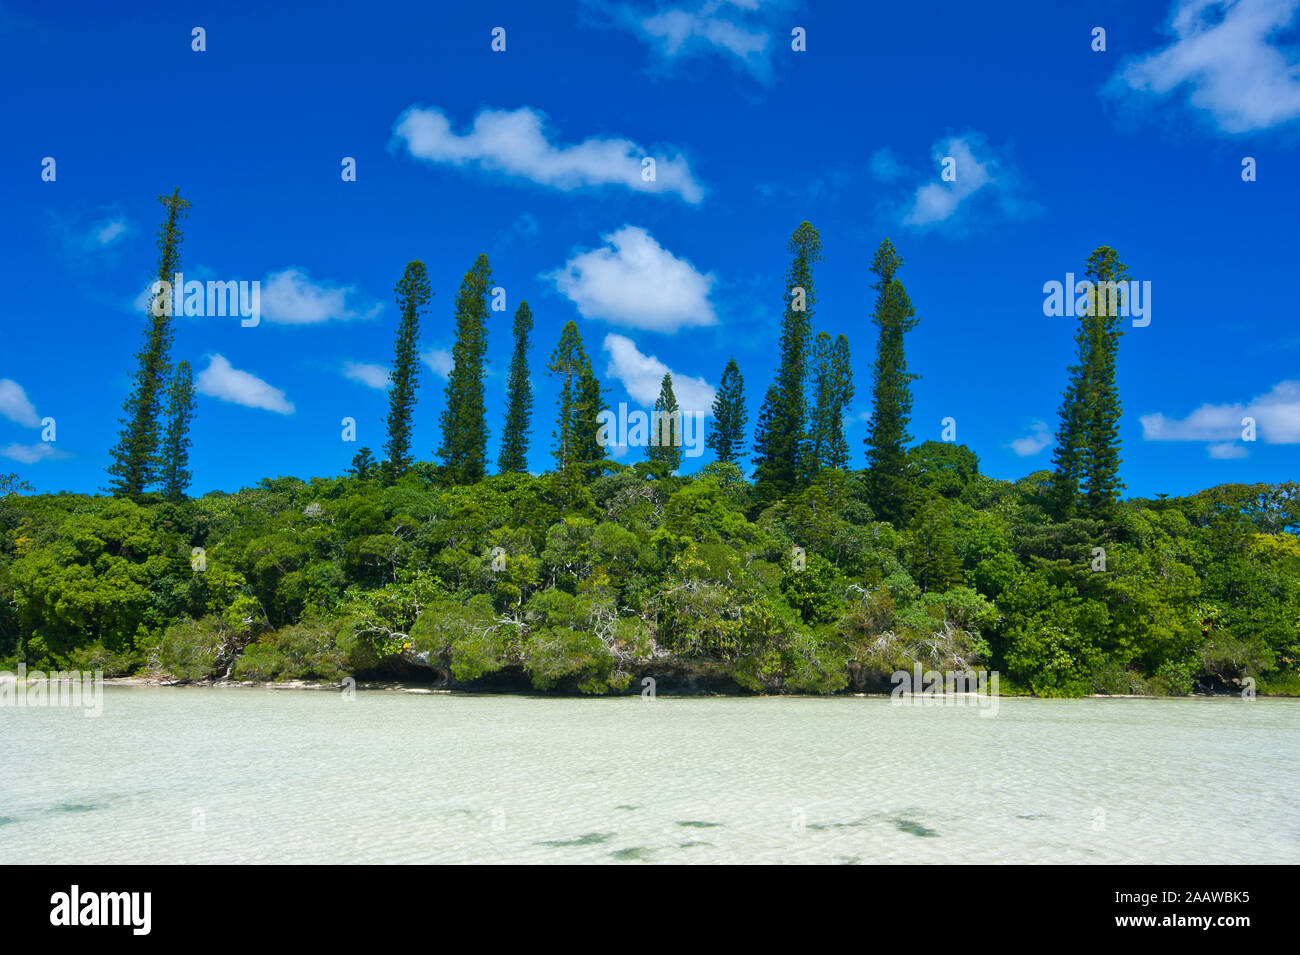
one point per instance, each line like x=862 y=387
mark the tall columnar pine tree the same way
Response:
x=136 y=461
x=519 y=399
x=464 y=421
x=727 y=437
x=588 y=448
x=1085 y=480
x=181 y=406
x=891 y=391
x=568 y=362
x=833 y=394
x=413 y=297
x=781 y=442
x=665 y=445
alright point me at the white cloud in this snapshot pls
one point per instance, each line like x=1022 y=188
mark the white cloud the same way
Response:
x=1221 y=51
x=222 y=381
x=1227 y=451
x=110 y=232
x=15 y=405
x=93 y=232
x=290 y=297
x=1038 y=438
x=987 y=188
x=1276 y=414
x=745 y=33
x=515 y=142
x=633 y=281
x=370 y=375
x=642 y=375
x=439 y=361
x=32 y=453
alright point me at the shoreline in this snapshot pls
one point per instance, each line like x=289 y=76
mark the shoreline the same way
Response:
x=400 y=686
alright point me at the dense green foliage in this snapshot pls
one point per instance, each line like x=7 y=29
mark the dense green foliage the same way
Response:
x=814 y=578
x=643 y=575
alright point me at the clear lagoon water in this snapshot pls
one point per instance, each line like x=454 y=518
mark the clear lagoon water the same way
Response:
x=247 y=775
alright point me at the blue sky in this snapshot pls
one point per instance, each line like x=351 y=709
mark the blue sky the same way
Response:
x=533 y=156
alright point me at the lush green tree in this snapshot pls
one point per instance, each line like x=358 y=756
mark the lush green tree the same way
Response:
x=586 y=426
x=181 y=406
x=1086 y=459
x=413 y=297
x=12 y=484
x=727 y=436
x=833 y=391
x=781 y=440
x=666 y=428
x=519 y=398
x=891 y=390
x=568 y=363
x=136 y=462
x=464 y=422
x=934 y=562
x=363 y=464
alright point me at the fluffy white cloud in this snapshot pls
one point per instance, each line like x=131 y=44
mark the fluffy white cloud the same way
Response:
x=1038 y=438
x=635 y=282
x=370 y=375
x=439 y=361
x=1276 y=414
x=290 y=297
x=986 y=188
x=743 y=32
x=515 y=142
x=1221 y=52
x=642 y=375
x=32 y=453
x=224 y=382
x=15 y=405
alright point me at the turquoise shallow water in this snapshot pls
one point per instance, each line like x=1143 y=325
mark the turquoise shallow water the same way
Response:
x=256 y=775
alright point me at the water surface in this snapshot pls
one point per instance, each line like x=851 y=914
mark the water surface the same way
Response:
x=242 y=775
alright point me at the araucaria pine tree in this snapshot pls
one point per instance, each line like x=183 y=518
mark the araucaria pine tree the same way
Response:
x=568 y=362
x=413 y=296
x=513 y=456
x=586 y=426
x=136 y=461
x=781 y=441
x=833 y=393
x=464 y=421
x=1086 y=482
x=665 y=445
x=891 y=391
x=181 y=406
x=727 y=437
x=935 y=566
